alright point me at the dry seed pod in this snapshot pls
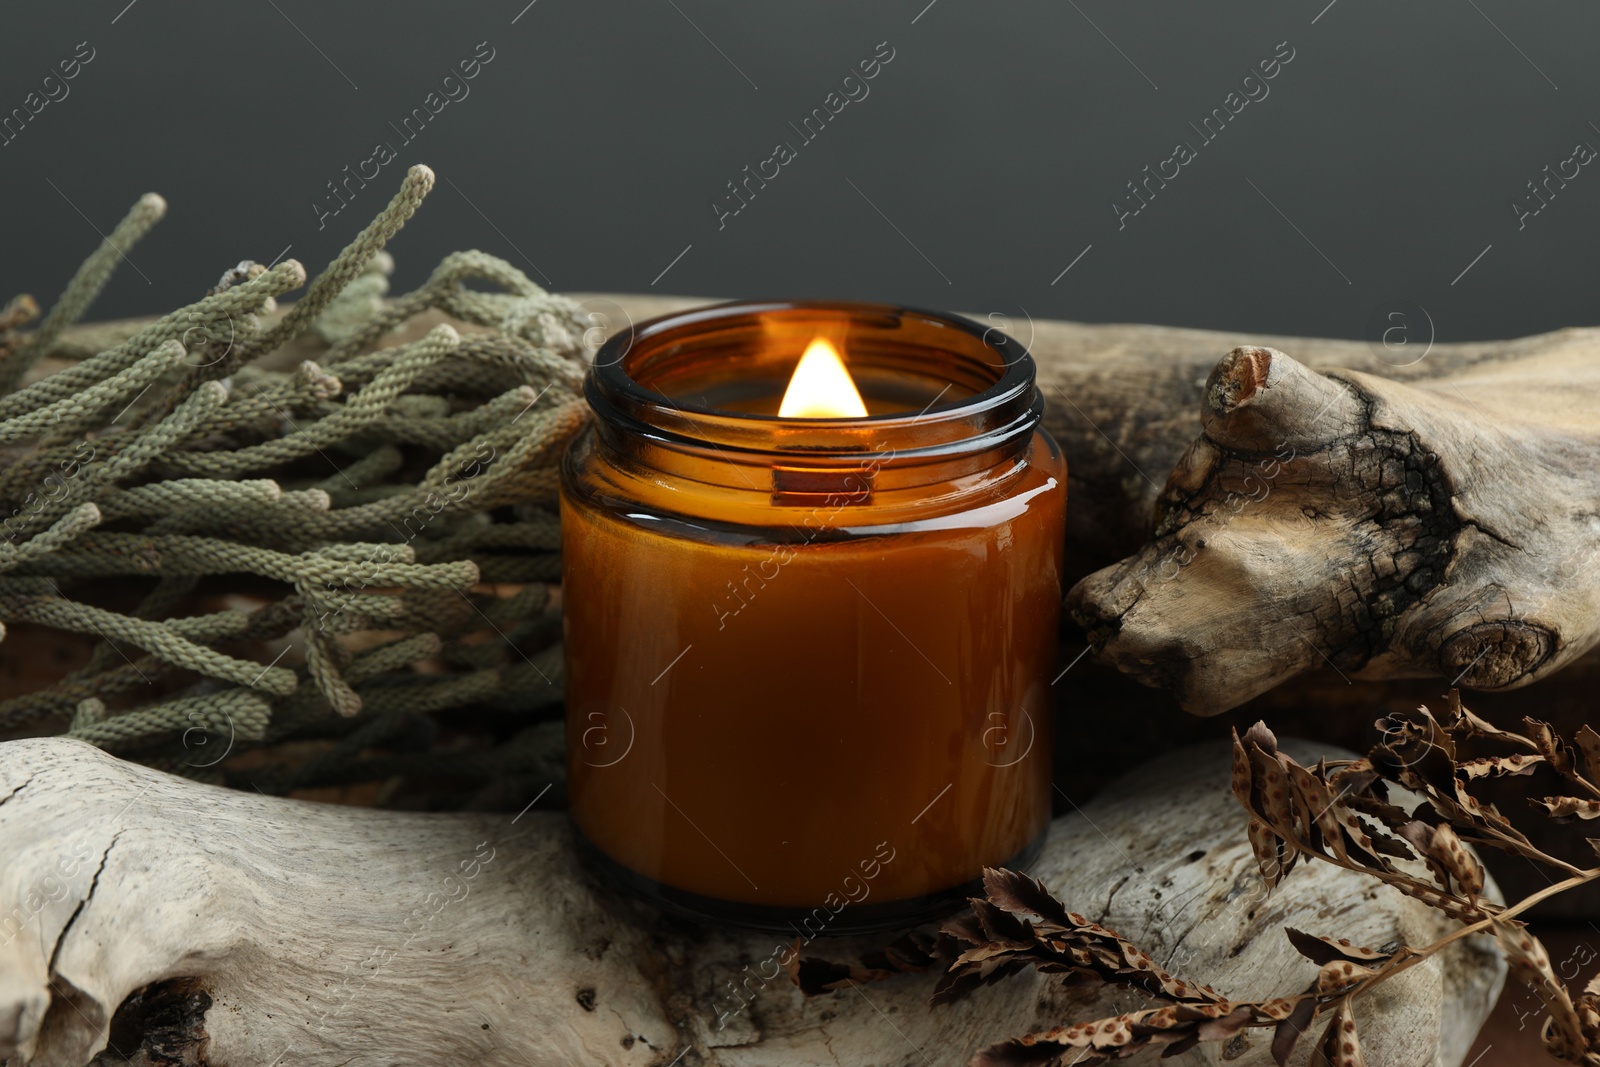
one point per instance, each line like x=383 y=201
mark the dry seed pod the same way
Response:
x=1322 y=950
x=1565 y=808
x=1336 y=976
x=1454 y=857
x=1268 y=854
x=1277 y=804
x=1241 y=777
x=1318 y=802
x=1550 y=745
x=1588 y=742
x=1563 y=1034
x=1486 y=766
x=1357 y=833
x=1340 y=1045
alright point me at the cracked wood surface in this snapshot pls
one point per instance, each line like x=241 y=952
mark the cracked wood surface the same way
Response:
x=234 y=929
x=1384 y=528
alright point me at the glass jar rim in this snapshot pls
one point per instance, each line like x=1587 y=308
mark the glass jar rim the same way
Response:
x=1006 y=408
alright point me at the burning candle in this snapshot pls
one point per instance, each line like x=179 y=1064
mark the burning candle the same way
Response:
x=811 y=570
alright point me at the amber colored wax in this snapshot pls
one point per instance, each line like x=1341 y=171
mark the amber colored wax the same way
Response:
x=768 y=710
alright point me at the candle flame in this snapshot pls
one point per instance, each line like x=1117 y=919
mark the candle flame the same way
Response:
x=821 y=387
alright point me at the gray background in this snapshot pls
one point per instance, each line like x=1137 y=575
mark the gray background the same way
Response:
x=983 y=162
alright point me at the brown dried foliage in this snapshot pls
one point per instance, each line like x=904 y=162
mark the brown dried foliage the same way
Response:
x=1338 y=812
x=1020 y=924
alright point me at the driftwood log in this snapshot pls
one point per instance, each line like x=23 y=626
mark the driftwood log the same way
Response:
x=168 y=922
x=1387 y=529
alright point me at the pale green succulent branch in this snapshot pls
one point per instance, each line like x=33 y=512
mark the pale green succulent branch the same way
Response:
x=259 y=556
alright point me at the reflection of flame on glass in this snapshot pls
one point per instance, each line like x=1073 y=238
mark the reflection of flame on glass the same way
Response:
x=821 y=387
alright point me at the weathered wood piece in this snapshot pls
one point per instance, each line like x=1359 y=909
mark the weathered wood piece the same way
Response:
x=251 y=930
x=1389 y=529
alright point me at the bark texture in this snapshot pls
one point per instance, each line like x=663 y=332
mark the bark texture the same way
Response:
x=1386 y=529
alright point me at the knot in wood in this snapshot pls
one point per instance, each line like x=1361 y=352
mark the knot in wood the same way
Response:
x=1237 y=378
x=1495 y=654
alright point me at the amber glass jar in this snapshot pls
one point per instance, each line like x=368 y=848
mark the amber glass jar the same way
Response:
x=807 y=659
